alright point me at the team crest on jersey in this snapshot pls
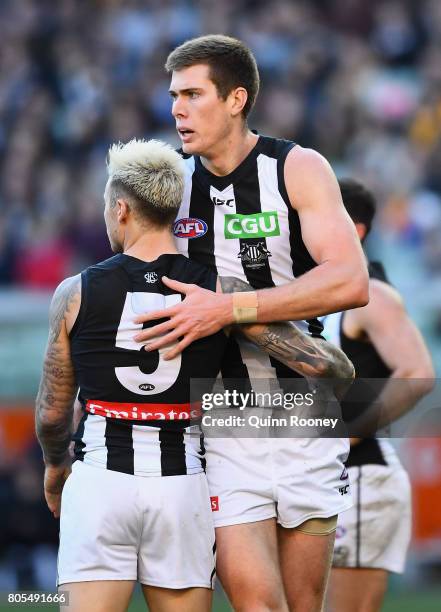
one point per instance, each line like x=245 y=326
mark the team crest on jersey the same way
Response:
x=151 y=277
x=189 y=227
x=254 y=256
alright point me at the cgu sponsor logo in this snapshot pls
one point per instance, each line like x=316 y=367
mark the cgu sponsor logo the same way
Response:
x=189 y=227
x=258 y=225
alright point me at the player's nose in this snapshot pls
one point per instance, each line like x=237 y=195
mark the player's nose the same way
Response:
x=179 y=107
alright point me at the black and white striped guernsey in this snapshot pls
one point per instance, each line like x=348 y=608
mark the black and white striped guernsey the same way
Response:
x=243 y=225
x=136 y=406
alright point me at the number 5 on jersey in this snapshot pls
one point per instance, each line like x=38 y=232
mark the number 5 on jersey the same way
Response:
x=167 y=372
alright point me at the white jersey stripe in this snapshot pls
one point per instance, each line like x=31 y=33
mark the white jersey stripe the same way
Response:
x=270 y=199
x=146 y=450
x=226 y=250
x=94 y=435
x=184 y=211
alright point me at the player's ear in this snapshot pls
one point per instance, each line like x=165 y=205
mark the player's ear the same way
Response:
x=123 y=210
x=238 y=98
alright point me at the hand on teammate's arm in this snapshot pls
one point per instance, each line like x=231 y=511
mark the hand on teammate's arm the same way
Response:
x=200 y=314
x=54 y=403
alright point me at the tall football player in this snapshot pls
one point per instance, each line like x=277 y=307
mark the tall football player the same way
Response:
x=268 y=212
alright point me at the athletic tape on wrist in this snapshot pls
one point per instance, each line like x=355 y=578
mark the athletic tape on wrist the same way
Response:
x=245 y=307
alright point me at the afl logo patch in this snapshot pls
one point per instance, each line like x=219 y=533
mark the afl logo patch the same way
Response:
x=146 y=387
x=189 y=227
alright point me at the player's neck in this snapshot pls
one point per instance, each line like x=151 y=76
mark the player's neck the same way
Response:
x=150 y=245
x=231 y=152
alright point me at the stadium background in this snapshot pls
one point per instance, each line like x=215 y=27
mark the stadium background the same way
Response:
x=358 y=80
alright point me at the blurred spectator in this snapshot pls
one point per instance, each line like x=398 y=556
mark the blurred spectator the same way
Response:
x=359 y=81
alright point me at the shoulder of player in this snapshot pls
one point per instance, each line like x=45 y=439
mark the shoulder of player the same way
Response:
x=301 y=159
x=65 y=304
x=384 y=302
x=306 y=169
x=66 y=291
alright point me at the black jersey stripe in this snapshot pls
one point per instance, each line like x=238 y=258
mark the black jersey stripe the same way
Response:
x=254 y=251
x=172 y=453
x=203 y=451
x=119 y=443
x=301 y=259
x=201 y=249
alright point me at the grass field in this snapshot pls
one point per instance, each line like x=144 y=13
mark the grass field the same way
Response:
x=429 y=601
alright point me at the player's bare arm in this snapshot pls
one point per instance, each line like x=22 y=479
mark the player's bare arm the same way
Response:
x=340 y=279
x=312 y=357
x=54 y=404
x=338 y=282
x=386 y=324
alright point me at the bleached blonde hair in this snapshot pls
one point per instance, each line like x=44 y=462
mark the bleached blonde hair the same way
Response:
x=152 y=173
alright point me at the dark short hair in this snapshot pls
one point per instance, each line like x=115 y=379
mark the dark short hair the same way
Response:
x=358 y=201
x=230 y=61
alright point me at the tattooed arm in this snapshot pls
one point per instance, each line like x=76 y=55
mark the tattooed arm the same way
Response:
x=54 y=404
x=311 y=357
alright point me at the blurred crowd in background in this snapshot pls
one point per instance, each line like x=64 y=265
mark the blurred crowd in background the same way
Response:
x=358 y=80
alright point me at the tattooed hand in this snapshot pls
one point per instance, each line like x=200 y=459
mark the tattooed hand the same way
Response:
x=57 y=390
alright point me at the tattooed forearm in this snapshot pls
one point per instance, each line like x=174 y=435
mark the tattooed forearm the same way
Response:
x=230 y=284
x=306 y=355
x=54 y=404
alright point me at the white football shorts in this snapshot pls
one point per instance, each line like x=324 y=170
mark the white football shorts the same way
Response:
x=375 y=532
x=157 y=530
x=293 y=479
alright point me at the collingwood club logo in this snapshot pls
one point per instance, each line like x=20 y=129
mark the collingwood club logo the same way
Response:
x=254 y=256
x=151 y=277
